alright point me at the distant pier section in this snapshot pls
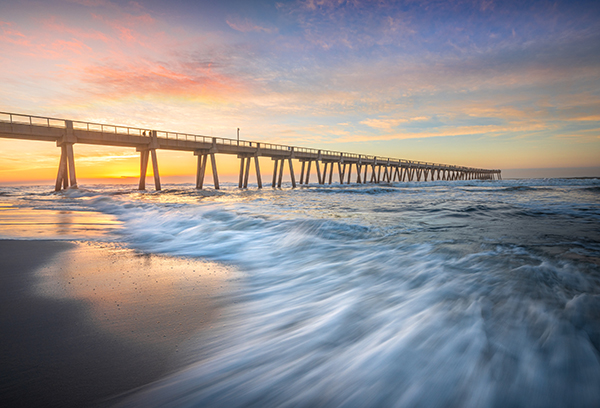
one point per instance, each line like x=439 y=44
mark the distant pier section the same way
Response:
x=350 y=167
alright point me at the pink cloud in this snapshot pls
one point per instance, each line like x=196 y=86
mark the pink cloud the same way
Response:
x=146 y=78
x=11 y=35
x=74 y=46
x=59 y=27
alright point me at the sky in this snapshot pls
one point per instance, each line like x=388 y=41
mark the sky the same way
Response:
x=511 y=85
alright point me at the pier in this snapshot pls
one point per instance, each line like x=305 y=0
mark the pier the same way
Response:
x=350 y=167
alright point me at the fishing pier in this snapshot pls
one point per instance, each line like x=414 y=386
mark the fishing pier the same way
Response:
x=362 y=168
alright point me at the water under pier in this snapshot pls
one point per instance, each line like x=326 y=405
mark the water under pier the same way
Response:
x=363 y=168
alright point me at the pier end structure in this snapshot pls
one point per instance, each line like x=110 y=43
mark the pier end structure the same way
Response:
x=66 y=133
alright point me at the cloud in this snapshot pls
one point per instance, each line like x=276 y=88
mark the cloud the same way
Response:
x=145 y=79
x=450 y=131
x=246 y=26
x=12 y=35
x=383 y=124
x=591 y=118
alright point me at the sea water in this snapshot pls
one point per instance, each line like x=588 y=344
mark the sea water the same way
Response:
x=453 y=294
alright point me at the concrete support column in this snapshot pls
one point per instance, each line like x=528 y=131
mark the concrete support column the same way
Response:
x=144 y=154
x=341 y=171
x=155 y=169
x=71 y=162
x=200 y=169
x=258 y=176
x=292 y=176
x=302 y=172
x=247 y=172
x=241 y=177
x=280 y=177
x=62 y=178
x=213 y=162
x=66 y=177
x=275 y=164
x=319 y=172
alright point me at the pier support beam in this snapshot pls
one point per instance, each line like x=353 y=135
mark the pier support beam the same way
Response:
x=245 y=171
x=241 y=177
x=213 y=162
x=275 y=164
x=341 y=171
x=279 y=180
x=292 y=176
x=302 y=172
x=155 y=170
x=61 y=178
x=144 y=157
x=201 y=168
x=145 y=152
x=318 y=172
x=278 y=165
x=66 y=177
x=386 y=173
x=257 y=168
x=71 y=162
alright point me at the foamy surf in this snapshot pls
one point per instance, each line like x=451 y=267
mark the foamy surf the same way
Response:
x=415 y=294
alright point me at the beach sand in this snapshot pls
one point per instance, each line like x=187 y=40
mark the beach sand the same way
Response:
x=83 y=322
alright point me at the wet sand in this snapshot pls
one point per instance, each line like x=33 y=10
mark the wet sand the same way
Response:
x=83 y=322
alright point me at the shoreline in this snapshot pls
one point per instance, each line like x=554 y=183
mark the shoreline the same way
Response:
x=82 y=322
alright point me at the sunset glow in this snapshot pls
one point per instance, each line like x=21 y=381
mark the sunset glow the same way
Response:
x=508 y=85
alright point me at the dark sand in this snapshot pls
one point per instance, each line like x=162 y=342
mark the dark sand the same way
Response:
x=81 y=322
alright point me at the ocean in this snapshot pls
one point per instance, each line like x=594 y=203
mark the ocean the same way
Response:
x=433 y=294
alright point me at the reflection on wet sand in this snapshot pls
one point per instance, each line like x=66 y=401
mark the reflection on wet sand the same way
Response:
x=146 y=298
x=35 y=223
